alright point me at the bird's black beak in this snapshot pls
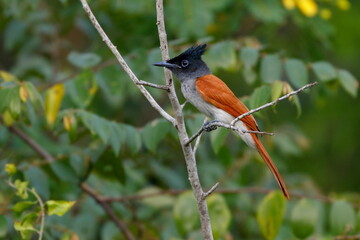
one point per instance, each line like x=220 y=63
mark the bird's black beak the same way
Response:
x=166 y=64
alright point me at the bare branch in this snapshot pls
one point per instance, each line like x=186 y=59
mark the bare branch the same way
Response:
x=104 y=204
x=180 y=126
x=347 y=237
x=124 y=65
x=273 y=102
x=211 y=190
x=198 y=139
x=32 y=143
x=153 y=85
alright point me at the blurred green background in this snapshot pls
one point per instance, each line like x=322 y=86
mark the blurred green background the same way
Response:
x=61 y=86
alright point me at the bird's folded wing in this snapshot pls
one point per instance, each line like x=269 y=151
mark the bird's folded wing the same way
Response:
x=214 y=91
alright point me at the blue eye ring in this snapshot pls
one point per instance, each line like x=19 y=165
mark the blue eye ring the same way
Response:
x=184 y=63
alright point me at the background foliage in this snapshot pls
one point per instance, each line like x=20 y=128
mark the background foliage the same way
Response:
x=61 y=86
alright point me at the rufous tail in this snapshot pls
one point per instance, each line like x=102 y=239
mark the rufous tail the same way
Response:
x=271 y=165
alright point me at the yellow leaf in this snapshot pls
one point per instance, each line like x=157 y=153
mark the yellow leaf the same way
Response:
x=343 y=4
x=289 y=4
x=53 y=99
x=67 y=123
x=23 y=92
x=325 y=14
x=7 y=77
x=10 y=168
x=8 y=119
x=308 y=7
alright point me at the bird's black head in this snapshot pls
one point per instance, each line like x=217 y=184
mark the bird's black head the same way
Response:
x=187 y=65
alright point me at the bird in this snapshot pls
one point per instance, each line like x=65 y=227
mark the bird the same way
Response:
x=211 y=96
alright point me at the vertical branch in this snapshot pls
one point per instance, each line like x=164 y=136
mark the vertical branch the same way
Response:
x=180 y=126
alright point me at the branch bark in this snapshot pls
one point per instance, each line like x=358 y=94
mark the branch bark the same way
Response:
x=178 y=121
x=189 y=153
x=124 y=65
x=32 y=143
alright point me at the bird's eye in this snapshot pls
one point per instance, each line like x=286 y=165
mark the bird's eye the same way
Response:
x=184 y=63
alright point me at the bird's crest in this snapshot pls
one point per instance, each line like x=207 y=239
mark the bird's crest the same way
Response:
x=193 y=52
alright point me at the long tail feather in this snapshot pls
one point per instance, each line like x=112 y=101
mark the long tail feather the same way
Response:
x=271 y=165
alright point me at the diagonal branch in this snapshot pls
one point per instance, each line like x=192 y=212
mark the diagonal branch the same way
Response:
x=273 y=102
x=105 y=205
x=124 y=65
x=231 y=125
x=32 y=143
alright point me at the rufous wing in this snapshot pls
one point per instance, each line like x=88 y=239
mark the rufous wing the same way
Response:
x=214 y=91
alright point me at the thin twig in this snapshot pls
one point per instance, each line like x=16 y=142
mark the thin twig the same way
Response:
x=32 y=143
x=42 y=212
x=224 y=125
x=42 y=208
x=273 y=102
x=211 y=190
x=153 y=85
x=104 y=204
x=231 y=125
x=124 y=65
x=197 y=142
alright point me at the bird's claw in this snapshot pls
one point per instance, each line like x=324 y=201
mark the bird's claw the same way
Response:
x=208 y=127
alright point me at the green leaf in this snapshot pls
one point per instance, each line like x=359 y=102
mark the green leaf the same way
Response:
x=58 y=207
x=185 y=213
x=304 y=218
x=297 y=72
x=276 y=90
x=159 y=201
x=249 y=74
x=10 y=169
x=39 y=180
x=154 y=132
x=221 y=55
x=133 y=139
x=189 y=18
x=97 y=125
x=324 y=71
x=217 y=138
x=220 y=215
x=64 y=171
x=82 y=88
x=249 y=56
x=266 y=10
x=84 y=60
x=10 y=99
x=21 y=188
x=3 y=225
x=260 y=96
x=342 y=217
x=34 y=94
x=27 y=225
x=117 y=137
x=349 y=82
x=270 y=214
x=23 y=205
x=270 y=68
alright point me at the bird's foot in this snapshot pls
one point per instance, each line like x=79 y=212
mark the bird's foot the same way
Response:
x=208 y=127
